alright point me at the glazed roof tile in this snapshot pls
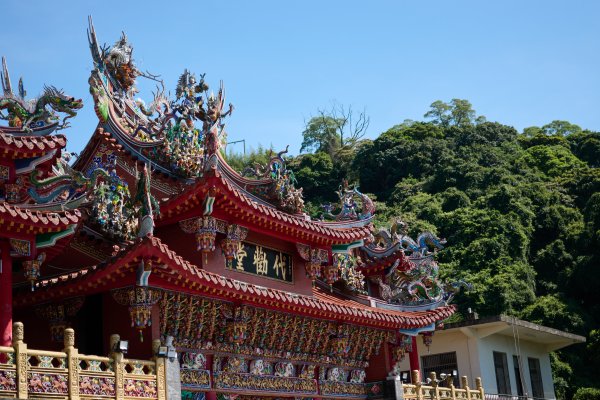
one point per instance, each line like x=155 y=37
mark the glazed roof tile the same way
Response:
x=31 y=145
x=36 y=219
x=321 y=304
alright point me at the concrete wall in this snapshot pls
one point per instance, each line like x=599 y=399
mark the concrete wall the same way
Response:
x=506 y=344
x=444 y=342
x=475 y=358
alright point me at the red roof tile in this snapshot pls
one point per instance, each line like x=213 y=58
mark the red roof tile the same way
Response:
x=51 y=220
x=326 y=304
x=28 y=145
x=330 y=232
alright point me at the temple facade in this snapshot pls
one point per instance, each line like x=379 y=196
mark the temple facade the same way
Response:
x=151 y=235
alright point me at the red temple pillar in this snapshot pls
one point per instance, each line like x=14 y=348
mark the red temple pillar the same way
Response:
x=6 y=295
x=414 y=355
x=209 y=366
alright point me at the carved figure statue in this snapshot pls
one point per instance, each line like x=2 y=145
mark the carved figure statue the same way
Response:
x=349 y=208
x=148 y=206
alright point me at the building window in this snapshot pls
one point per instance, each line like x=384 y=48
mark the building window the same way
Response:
x=443 y=363
x=517 y=365
x=501 y=368
x=537 y=388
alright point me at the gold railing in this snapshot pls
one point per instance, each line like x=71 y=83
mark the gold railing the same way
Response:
x=441 y=389
x=38 y=374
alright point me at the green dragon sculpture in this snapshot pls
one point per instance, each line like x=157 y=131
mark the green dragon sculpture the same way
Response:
x=65 y=187
x=38 y=112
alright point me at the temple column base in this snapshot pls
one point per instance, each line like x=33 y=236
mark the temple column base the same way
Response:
x=394 y=388
x=173 y=380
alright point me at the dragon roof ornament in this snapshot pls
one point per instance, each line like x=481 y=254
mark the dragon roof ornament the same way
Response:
x=38 y=116
x=413 y=279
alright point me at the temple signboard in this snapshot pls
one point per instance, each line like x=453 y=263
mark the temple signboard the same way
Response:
x=262 y=261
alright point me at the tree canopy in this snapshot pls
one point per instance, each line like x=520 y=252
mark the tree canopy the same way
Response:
x=520 y=211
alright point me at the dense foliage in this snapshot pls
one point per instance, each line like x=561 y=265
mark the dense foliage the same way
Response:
x=520 y=211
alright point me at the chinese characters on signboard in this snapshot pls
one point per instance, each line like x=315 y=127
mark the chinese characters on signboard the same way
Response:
x=262 y=261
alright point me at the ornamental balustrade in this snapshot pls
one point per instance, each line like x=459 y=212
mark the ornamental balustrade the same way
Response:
x=441 y=389
x=36 y=374
x=39 y=374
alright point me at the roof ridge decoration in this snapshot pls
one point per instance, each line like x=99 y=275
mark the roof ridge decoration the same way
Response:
x=413 y=280
x=67 y=187
x=164 y=132
x=349 y=209
x=200 y=279
x=273 y=182
x=38 y=116
x=115 y=210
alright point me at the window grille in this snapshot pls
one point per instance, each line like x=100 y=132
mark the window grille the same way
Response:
x=443 y=363
x=517 y=368
x=537 y=388
x=501 y=368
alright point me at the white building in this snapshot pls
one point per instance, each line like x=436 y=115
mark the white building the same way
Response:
x=492 y=348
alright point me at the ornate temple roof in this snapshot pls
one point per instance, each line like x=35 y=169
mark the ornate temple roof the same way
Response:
x=177 y=273
x=169 y=154
x=235 y=201
x=164 y=136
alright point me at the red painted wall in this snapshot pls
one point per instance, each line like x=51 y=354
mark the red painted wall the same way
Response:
x=116 y=320
x=379 y=366
x=37 y=331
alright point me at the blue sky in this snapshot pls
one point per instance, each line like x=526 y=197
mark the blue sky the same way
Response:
x=521 y=63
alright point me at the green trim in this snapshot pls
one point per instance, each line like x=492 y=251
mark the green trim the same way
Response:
x=208 y=205
x=49 y=239
x=345 y=248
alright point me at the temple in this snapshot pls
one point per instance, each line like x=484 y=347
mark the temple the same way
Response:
x=150 y=234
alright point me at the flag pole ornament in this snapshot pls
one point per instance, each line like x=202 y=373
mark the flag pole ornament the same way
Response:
x=31 y=269
x=313 y=270
x=331 y=274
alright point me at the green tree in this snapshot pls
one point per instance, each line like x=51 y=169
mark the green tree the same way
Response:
x=239 y=161
x=586 y=146
x=458 y=112
x=560 y=128
x=335 y=129
x=315 y=174
x=521 y=213
x=439 y=113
